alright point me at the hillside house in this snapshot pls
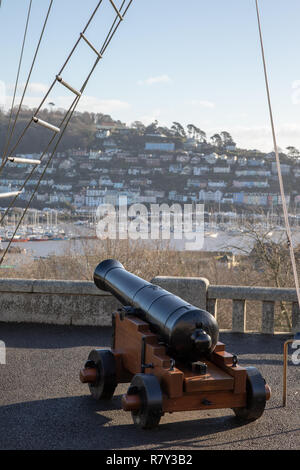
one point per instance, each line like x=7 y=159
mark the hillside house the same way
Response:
x=155 y=193
x=232 y=160
x=228 y=198
x=211 y=158
x=160 y=146
x=221 y=169
x=193 y=183
x=195 y=160
x=247 y=172
x=201 y=170
x=242 y=161
x=213 y=196
x=183 y=158
x=175 y=168
x=250 y=184
x=256 y=162
x=217 y=184
x=186 y=170
x=285 y=169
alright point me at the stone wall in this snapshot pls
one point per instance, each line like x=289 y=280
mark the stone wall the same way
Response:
x=55 y=302
x=81 y=303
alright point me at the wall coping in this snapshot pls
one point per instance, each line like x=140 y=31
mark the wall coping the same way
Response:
x=82 y=303
x=264 y=294
x=49 y=286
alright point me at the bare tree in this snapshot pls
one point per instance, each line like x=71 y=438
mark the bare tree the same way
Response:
x=267 y=257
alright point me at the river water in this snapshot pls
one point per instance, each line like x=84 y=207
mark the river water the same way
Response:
x=213 y=241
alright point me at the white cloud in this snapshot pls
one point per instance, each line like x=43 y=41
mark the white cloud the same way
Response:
x=34 y=88
x=154 y=80
x=149 y=118
x=37 y=88
x=260 y=137
x=201 y=103
x=93 y=104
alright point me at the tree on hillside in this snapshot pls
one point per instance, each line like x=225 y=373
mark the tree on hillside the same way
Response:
x=152 y=128
x=178 y=129
x=226 y=138
x=139 y=126
x=293 y=152
x=80 y=132
x=216 y=140
x=104 y=118
x=191 y=130
x=196 y=133
x=201 y=135
x=98 y=118
x=165 y=131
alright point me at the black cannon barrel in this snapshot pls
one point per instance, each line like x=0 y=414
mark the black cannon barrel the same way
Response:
x=186 y=329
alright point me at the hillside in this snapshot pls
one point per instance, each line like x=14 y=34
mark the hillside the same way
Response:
x=100 y=159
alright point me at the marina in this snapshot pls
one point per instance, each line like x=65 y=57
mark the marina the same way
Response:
x=44 y=241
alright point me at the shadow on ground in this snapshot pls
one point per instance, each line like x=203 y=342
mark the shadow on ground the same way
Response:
x=79 y=422
x=61 y=336
x=58 y=336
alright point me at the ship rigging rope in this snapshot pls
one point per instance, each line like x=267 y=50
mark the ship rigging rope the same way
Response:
x=25 y=88
x=53 y=83
x=283 y=199
x=69 y=114
x=17 y=79
x=104 y=46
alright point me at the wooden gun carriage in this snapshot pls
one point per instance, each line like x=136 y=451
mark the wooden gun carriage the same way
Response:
x=169 y=352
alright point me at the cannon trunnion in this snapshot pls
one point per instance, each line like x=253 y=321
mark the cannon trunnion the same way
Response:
x=169 y=351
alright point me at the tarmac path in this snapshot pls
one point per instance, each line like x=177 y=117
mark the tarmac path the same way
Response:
x=44 y=406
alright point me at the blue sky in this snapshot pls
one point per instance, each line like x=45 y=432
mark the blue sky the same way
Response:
x=191 y=61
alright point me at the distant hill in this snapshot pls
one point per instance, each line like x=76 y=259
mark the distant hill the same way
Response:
x=80 y=132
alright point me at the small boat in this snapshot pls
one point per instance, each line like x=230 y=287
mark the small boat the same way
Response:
x=16 y=239
x=39 y=239
x=212 y=234
x=58 y=239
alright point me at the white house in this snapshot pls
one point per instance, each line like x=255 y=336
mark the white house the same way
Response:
x=221 y=169
x=285 y=169
x=215 y=196
x=217 y=184
x=201 y=170
x=242 y=161
x=211 y=158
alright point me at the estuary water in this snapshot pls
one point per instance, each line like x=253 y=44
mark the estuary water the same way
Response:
x=212 y=241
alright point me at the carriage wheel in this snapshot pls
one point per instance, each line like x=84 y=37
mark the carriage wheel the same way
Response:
x=150 y=411
x=256 y=396
x=104 y=362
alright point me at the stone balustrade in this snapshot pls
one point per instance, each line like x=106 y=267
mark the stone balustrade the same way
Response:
x=200 y=293
x=81 y=303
